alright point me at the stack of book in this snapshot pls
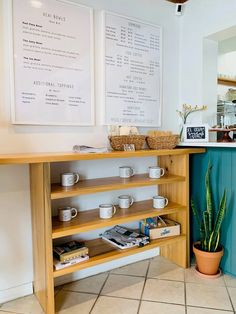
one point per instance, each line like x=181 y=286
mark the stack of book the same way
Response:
x=69 y=253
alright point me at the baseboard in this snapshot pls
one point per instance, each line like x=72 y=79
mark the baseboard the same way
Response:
x=16 y=292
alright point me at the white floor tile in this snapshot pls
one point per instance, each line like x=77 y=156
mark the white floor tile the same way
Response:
x=162 y=308
x=123 y=286
x=198 y=310
x=161 y=268
x=135 y=269
x=26 y=305
x=91 y=284
x=192 y=276
x=164 y=291
x=74 y=302
x=232 y=293
x=109 y=305
x=207 y=296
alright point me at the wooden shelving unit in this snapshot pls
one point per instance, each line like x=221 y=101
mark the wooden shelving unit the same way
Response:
x=174 y=185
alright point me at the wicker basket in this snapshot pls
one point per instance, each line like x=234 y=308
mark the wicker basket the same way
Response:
x=162 y=142
x=117 y=142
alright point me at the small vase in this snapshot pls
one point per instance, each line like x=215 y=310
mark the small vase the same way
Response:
x=181 y=133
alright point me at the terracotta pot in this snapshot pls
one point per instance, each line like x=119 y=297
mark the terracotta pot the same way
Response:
x=207 y=262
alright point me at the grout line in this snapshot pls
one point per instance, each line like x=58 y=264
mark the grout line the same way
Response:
x=144 y=284
x=185 y=293
x=210 y=308
x=116 y=297
x=7 y=312
x=230 y=299
x=82 y=292
x=138 y=276
x=99 y=293
x=105 y=281
x=93 y=304
x=162 y=302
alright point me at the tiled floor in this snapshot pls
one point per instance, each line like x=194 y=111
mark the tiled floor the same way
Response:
x=149 y=287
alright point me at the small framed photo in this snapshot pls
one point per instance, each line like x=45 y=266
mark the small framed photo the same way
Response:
x=196 y=133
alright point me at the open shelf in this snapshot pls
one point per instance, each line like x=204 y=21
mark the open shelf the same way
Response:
x=109 y=184
x=89 y=220
x=100 y=252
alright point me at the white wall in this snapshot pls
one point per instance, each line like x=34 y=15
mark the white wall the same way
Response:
x=203 y=18
x=15 y=224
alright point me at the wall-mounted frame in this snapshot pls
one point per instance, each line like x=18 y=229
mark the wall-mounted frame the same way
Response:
x=196 y=133
x=53 y=63
x=132 y=71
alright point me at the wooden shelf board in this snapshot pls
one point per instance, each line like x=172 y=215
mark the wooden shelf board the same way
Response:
x=89 y=220
x=29 y=158
x=226 y=82
x=108 y=184
x=100 y=252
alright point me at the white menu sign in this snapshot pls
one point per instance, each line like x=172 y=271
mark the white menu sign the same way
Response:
x=132 y=70
x=53 y=63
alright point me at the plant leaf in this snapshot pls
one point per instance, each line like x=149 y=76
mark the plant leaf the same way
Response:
x=209 y=198
x=195 y=212
x=219 y=219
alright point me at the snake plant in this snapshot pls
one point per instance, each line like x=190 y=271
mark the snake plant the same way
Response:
x=209 y=223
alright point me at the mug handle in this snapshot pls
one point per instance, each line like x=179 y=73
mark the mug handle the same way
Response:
x=114 y=210
x=132 y=172
x=76 y=178
x=131 y=201
x=162 y=172
x=166 y=201
x=75 y=212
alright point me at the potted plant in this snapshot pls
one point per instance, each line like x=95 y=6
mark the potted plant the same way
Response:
x=208 y=251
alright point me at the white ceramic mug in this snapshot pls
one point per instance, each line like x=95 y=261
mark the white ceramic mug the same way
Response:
x=126 y=172
x=156 y=172
x=160 y=201
x=67 y=213
x=125 y=201
x=69 y=179
x=106 y=211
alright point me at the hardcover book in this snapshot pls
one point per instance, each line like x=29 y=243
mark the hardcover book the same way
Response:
x=69 y=250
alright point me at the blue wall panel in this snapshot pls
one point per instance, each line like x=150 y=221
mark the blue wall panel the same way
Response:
x=223 y=177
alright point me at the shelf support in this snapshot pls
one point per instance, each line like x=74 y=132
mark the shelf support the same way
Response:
x=42 y=235
x=177 y=192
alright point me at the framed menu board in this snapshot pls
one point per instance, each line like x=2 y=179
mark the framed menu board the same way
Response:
x=53 y=81
x=132 y=71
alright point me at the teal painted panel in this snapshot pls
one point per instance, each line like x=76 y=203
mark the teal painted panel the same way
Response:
x=223 y=177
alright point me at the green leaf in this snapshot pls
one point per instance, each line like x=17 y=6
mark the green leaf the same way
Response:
x=195 y=212
x=219 y=219
x=209 y=198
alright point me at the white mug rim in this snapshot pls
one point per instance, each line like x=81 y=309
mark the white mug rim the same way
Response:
x=66 y=208
x=124 y=197
x=154 y=167
x=125 y=167
x=106 y=205
x=158 y=197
